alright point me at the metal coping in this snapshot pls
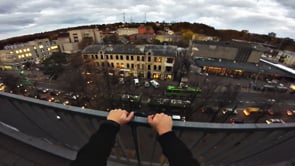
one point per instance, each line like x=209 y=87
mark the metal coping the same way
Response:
x=142 y=121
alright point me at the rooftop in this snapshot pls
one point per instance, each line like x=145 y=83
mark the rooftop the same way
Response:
x=162 y=50
x=61 y=130
x=248 y=67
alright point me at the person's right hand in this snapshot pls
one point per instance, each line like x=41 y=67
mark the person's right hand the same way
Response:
x=161 y=122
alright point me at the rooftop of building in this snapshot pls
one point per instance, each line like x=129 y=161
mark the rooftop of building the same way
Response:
x=247 y=67
x=160 y=50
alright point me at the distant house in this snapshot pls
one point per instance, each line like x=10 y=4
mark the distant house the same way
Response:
x=145 y=30
x=78 y=35
x=127 y=31
x=63 y=41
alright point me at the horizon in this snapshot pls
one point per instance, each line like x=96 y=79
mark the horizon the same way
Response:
x=256 y=16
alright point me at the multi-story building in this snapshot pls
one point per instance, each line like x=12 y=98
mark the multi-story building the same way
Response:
x=78 y=35
x=64 y=44
x=239 y=52
x=127 y=31
x=147 y=61
x=33 y=51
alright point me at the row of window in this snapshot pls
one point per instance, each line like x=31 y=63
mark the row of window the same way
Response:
x=127 y=57
x=128 y=66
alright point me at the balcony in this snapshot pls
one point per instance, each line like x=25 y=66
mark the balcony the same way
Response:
x=61 y=130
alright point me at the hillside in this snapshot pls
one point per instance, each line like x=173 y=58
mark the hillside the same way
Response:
x=282 y=43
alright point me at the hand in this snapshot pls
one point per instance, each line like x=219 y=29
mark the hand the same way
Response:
x=120 y=116
x=161 y=122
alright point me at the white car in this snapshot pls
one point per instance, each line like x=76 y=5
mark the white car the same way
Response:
x=155 y=83
x=270 y=121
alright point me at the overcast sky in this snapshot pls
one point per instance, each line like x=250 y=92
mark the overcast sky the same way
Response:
x=19 y=17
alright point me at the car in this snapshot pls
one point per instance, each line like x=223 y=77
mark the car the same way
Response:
x=146 y=84
x=121 y=81
x=270 y=112
x=155 y=84
x=290 y=112
x=248 y=111
x=136 y=82
x=270 y=121
x=229 y=111
x=55 y=93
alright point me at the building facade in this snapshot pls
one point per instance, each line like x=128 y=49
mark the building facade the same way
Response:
x=127 y=31
x=146 y=61
x=33 y=51
x=78 y=35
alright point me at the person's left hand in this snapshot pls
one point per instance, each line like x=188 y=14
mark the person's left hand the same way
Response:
x=120 y=116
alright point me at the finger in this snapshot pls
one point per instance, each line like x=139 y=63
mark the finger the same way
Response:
x=150 y=119
x=130 y=116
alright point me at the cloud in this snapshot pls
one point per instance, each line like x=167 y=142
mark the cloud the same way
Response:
x=257 y=16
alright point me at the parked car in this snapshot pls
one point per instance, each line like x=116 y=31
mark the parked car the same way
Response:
x=146 y=84
x=270 y=121
x=136 y=82
x=155 y=84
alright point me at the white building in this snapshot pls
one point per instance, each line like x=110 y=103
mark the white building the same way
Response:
x=78 y=35
x=127 y=31
x=33 y=51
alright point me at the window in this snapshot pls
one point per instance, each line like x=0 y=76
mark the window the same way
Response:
x=142 y=66
x=96 y=57
x=127 y=57
x=169 y=60
x=107 y=56
x=121 y=57
x=158 y=59
x=155 y=67
x=149 y=67
x=159 y=67
x=117 y=57
x=128 y=66
x=101 y=56
x=168 y=69
x=92 y=56
x=142 y=58
x=132 y=66
x=149 y=59
x=112 y=64
x=132 y=57
x=138 y=58
x=111 y=56
x=138 y=66
x=117 y=65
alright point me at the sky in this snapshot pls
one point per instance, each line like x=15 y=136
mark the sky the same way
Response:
x=19 y=17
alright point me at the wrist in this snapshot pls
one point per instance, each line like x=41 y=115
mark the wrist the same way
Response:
x=162 y=132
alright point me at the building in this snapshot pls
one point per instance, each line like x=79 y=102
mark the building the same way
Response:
x=146 y=30
x=78 y=35
x=235 y=51
x=147 y=61
x=127 y=31
x=32 y=51
x=288 y=56
x=65 y=46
